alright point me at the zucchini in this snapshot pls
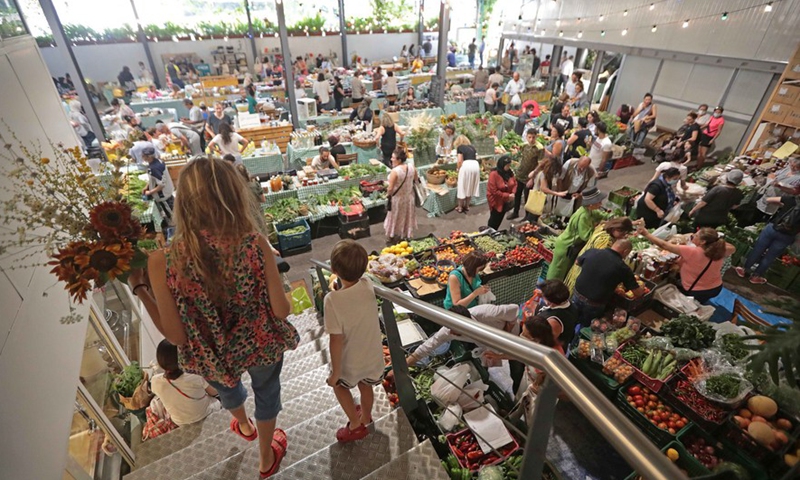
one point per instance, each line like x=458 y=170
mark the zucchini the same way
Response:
x=648 y=363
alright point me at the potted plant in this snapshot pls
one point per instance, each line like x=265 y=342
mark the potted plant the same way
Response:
x=422 y=139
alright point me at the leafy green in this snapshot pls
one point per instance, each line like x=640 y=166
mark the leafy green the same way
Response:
x=511 y=140
x=725 y=385
x=687 y=331
x=126 y=382
x=735 y=346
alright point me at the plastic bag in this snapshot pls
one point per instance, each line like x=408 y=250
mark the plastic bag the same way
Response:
x=745 y=387
x=674 y=215
x=487 y=298
x=300 y=300
x=598 y=344
x=445 y=391
x=664 y=232
x=472 y=396
x=450 y=418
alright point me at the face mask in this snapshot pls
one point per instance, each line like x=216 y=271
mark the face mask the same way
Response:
x=702 y=112
x=717 y=115
x=672 y=182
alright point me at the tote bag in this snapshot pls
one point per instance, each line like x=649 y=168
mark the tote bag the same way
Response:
x=535 y=203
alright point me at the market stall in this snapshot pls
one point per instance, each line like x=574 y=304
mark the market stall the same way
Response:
x=162 y=104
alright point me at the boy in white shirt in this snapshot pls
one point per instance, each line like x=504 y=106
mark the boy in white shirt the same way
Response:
x=351 y=320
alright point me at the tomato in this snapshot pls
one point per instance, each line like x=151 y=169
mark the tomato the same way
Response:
x=634 y=390
x=640 y=409
x=639 y=404
x=671 y=431
x=671 y=424
x=632 y=404
x=653 y=397
x=662 y=426
x=680 y=424
x=660 y=407
x=638 y=397
x=654 y=422
x=684 y=420
x=628 y=398
x=651 y=405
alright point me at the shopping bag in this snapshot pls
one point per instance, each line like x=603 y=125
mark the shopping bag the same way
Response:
x=535 y=203
x=486 y=299
x=300 y=300
x=448 y=383
x=141 y=396
x=674 y=215
x=564 y=207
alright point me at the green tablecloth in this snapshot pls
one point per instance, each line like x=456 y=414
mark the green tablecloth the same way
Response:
x=365 y=154
x=437 y=205
x=264 y=163
x=458 y=108
x=151 y=215
x=407 y=115
x=177 y=104
x=270 y=198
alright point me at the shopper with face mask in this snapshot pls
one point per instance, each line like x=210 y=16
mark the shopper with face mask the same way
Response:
x=709 y=134
x=659 y=198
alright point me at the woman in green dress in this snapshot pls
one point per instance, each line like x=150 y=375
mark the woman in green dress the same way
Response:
x=604 y=236
x=579 y=229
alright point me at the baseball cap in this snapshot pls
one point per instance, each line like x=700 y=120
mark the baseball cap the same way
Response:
x=735 y=176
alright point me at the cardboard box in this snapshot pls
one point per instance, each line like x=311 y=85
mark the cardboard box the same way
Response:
x=793 y=117
x=793 y=68
x=776 y=112
x=786 y=94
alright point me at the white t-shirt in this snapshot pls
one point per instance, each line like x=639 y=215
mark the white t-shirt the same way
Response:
x=232 y=148
x=195 y=114
x=317 y=163
x=322 y=90
x=185 y=411
x=353 y=313
x=667 y=165
x=489 y=97
x=567 y=67
x=599 y=147
x=577 y=177
x=570 y=88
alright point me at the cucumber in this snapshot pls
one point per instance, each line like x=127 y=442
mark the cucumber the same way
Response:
x=648 y=363
x=656 y=366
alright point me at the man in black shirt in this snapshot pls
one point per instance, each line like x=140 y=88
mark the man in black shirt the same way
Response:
x=774 y=239
x=523 y=119
x=601 y=271
x=564 y=118
x=691 y=135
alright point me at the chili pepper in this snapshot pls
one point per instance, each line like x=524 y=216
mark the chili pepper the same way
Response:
x=474 y=455
x=458 y=452
x=489 y=460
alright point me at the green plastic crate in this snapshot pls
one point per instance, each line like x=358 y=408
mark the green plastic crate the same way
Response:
x=658 y=436
x=594 y=372
x=725 y=452
x=685 y=462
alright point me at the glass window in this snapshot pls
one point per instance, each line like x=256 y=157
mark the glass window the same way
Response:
x=116 y=305
x=11 y=23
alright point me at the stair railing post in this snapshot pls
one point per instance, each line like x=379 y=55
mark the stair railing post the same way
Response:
x=544 y=410
x=402 y=380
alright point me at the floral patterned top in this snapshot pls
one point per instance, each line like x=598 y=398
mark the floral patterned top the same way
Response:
x=222 y=346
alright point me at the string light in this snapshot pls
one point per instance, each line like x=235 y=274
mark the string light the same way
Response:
x=624 y=32
x=602 y=33
x=724 y=16
x=768 y=7
x=561 y=33
x=655 y=27
x=625 y=13
x=580 y=34
x=601 y=17
x=686 y=23
x=652 y=6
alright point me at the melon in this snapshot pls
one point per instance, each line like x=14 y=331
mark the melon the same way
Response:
x=762 y=406
x=762 y=433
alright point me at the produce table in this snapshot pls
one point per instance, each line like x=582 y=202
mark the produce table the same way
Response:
x=407 y=115
x=304 y=193
x=269 y=163
x=151 y=120
x=177 y=104
x=281 y=135
x=325 y=119
x=437 y=205
x=296 y=157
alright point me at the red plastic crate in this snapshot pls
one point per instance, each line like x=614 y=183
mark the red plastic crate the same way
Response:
x=507 y=451
x=651 y=383
x=545 y=252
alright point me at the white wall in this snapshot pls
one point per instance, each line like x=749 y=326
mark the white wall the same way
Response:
x=39 y=358
x=751 y=34
x=102 y=63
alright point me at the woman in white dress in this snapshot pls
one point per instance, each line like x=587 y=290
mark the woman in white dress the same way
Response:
x=469 y=173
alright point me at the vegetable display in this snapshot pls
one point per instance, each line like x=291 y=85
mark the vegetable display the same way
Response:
x=651 y=406
x=685 y=392
x=687 y=331
x=468 y=452
x=422 y=244
x=125 y=382
x=725 y=385
x=454 y=470
x=294 y=230
x=735 y=346
x=488 y=245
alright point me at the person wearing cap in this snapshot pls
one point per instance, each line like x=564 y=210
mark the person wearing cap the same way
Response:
x=701 y=262
x=159 y=186
x=602 y=269
x=712 y=211
x=659 y=198
x=580 y=227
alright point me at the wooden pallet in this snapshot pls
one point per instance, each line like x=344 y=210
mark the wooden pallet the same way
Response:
x=280 y=135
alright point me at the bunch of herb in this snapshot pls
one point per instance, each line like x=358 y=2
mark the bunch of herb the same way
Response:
x=688 y=331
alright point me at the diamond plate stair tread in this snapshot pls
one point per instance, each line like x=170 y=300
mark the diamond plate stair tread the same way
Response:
x=392 y=437
x=183 y=437
x=421 y=462
x=305 y=439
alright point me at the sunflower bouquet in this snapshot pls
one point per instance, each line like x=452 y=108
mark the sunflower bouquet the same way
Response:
x=80 y=220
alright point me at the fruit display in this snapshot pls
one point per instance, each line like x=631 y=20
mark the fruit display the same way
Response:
x=487 y=244
x=401 y=249
x=442 y=278
x=388 y=268
x=522 y=256
x=684 y=392
x=620 y=290
x=455 y=237
x=584 y=348
x=651 y=407
x=446 y=253
x=507 y=241
x=463 y=249
x=423 y=244
x=527 y=228
x=465 y=447
x=654 y=363
x=500 y=264
x=428 y=273
x=616 y=368
x=412 y=266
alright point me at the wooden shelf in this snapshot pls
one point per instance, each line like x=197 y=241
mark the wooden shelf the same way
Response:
x=279 y=135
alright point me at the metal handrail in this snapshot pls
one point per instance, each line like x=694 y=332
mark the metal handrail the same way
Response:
x=621 y=433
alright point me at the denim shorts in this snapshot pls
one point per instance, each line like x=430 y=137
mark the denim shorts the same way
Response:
x=266 y=383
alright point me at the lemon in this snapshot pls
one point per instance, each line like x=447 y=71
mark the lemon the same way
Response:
x=673 y=455
x=404 y=244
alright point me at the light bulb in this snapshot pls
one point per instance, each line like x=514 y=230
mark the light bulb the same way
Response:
x=768 y=7
x=580 y=34
x=625 y=13
x=724 y=16
x=602 y=33
x=558 y=23
x=624 y=32
x=601 y=17
x=652 y=6
x=655 y=27
x=561 y=33
x=685 y=23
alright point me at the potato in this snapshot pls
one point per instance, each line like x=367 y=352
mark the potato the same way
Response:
x=762 y=406
x=781 y=437
x=757 y=418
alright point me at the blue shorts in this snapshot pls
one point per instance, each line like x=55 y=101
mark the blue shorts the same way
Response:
x=266 y=388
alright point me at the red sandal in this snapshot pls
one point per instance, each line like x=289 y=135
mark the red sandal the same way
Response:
x=238 y=431
x=345 y=435
x=279 y=451
x=358 y=411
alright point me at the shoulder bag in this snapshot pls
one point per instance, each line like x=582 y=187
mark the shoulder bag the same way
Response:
x=389 y=198
x=700 y=276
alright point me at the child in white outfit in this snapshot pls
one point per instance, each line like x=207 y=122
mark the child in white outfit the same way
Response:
x=351 y=320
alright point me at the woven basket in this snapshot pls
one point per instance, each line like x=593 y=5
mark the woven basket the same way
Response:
x=435 y=179
x=364 y=145
x=451 y=182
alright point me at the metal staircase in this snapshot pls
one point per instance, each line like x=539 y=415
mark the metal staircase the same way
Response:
x=310 y=417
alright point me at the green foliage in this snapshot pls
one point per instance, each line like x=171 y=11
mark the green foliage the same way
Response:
x=432 y=24
x=310 y=24
x=126 y=382
x=611 y=122
x=780 y=345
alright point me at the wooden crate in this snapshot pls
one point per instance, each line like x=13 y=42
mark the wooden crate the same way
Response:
x=280 y=135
